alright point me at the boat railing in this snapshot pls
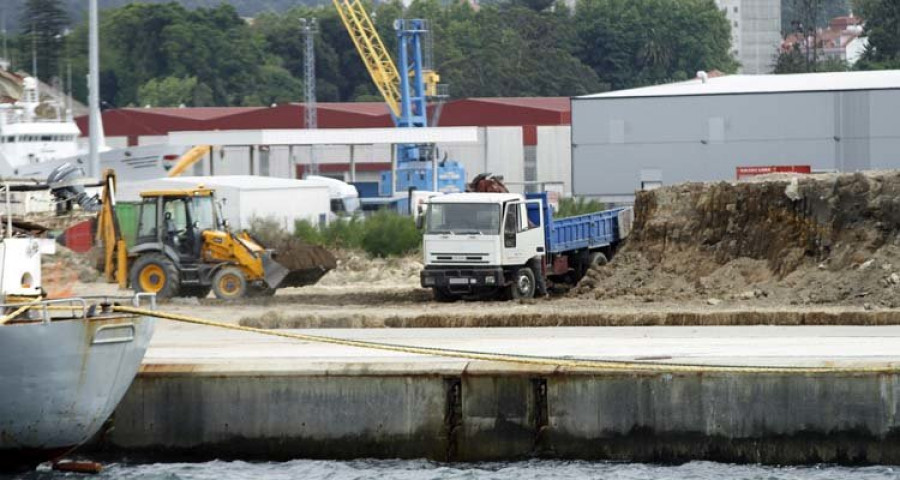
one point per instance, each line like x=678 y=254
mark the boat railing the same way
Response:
x=81 y=306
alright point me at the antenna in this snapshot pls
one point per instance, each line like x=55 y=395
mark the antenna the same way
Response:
x=310 y=28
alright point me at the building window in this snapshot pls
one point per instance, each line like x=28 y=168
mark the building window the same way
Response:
x=735 y=10
x=735 y=24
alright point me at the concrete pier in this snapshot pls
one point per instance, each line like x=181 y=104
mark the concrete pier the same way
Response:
x=207 y=393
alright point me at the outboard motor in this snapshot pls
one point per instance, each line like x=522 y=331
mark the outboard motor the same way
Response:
x=66 y=194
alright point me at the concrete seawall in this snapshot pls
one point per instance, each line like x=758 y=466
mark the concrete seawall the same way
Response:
x=498 y=414
x=345 y=404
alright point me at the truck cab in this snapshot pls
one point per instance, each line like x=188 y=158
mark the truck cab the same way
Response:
x=482 y=243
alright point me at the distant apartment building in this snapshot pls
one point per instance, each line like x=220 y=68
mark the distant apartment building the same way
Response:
x=755 y=32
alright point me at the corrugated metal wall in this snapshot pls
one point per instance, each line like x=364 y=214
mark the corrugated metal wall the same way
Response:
x=619 y=142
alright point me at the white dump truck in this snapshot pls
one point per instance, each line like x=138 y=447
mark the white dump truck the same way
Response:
x=484 y=245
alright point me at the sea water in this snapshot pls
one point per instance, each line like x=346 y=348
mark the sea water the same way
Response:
x=426 y=470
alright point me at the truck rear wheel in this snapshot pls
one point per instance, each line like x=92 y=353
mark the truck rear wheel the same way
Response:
x=598 y=259
x=523 y=284
x=229 y=283
x=155 y=273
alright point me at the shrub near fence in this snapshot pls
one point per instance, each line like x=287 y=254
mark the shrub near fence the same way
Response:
x=384 y=234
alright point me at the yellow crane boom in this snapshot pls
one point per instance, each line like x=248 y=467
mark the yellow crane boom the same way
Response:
x=191 y=157
x=371 y=49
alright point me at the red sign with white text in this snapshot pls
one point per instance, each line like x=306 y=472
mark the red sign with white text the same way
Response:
x=743 y=172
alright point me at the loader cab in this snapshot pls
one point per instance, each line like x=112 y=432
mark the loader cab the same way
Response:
x=176 y=219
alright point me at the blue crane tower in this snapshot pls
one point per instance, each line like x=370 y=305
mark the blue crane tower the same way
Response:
x=406 y=91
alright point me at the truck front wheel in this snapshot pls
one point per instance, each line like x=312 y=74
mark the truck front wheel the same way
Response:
x=523 y=284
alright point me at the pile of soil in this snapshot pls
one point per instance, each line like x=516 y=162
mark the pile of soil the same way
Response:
x=295 y=254
x=815 y=239
x=359 y=268
x=61 y=272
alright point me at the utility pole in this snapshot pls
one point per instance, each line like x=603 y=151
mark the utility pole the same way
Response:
x=34 y=65
x=94 y=88
x=5 y=60
x=310 y=28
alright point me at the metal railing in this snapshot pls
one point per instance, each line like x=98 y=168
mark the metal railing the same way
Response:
x=79 y=306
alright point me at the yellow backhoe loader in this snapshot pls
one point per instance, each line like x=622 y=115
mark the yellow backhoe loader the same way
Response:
x=184 y=247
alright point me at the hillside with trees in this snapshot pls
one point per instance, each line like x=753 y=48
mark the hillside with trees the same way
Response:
x=168 y=54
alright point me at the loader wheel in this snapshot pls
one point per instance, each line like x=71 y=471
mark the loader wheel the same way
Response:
x=523 y=284
x=229 y=283
x=155 y=273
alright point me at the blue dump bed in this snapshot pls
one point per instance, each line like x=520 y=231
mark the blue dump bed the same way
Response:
x=592 y=230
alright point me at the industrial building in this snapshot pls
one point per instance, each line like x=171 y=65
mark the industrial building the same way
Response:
x=705 y=129
x=523 y=139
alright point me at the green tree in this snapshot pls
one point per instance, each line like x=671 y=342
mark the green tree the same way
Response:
x=44 y=27
x=883 y=30
x=277 y=85
x=631 y=43
x=168 y=92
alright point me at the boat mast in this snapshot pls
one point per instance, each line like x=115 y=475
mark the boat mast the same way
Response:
x=94 y=89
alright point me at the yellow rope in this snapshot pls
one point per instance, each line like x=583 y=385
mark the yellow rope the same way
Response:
x=18 y=312
x=585 y=364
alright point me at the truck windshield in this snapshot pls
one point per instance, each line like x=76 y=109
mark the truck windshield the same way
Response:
x=463 y=218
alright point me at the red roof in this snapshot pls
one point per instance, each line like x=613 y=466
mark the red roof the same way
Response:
x=482 y=112
x=559 y=104
x=197 y=113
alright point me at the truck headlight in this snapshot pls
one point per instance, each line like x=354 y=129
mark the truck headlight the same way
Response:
x=489 y=280
x=429 y=281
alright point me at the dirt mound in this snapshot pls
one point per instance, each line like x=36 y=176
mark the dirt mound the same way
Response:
x=357 y=267
x=61 y=272
x=823 y=239
x=295 y=254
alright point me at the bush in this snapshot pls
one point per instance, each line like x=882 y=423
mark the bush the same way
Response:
x=384 y=234
x=306 y=231
x=345 y=232
x=389 y=234
x=267 y=230
x=571 y=207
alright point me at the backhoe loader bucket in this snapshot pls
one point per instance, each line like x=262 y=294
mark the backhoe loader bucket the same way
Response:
x=296 y=264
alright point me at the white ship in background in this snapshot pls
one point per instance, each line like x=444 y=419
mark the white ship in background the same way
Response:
x=37 y=137
x=32 y=133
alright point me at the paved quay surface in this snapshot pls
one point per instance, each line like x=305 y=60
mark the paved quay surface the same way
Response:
x=211 y=349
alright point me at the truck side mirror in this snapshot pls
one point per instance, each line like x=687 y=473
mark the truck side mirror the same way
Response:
x=225 y=224
x=420 y=221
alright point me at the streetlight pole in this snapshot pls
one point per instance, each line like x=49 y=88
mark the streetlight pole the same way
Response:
x=94 y=88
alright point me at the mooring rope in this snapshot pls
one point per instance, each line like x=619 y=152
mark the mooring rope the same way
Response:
x=594 y=365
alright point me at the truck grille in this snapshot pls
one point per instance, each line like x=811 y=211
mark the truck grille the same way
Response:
x=459 y=258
